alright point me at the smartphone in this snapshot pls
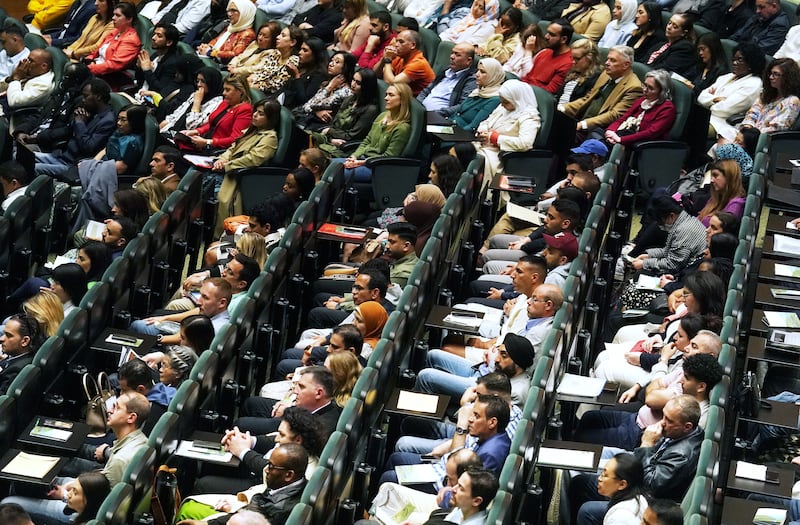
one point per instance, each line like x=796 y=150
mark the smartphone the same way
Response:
x=427 y=458
x=209 y=445
x=772 y=477
x=54 y=423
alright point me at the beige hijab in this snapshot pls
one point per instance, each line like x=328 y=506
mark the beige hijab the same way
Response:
x=495 y=76
x=430 y=193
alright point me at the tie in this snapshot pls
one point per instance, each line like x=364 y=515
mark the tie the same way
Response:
x=593 y=108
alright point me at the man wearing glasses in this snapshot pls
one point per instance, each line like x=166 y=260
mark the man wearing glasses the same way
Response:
x=284 y=477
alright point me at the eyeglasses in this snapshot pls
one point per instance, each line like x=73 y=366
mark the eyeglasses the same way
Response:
x=738 y=60
x=775 y=74
x=271 y=466
x=606 y=475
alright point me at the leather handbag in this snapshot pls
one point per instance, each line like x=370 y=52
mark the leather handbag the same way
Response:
x=96 y=416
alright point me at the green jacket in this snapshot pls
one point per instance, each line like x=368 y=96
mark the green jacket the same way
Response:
x=384 y=143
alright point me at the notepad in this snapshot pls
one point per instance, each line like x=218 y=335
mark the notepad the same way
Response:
x=784 y=338
x=187 y=449
x=786 y=270
x=51 y=433
x=575 y=385
x=567 y=458
x=785 y=293
x=768 y=516
x=414 y=474
x=786 y=244
x=515 y=211
x=94 y=230
x=781 y=320
x=30 y=465
x=201 y=161
x=462 y=319
x=751 y=471
x=444 y=130
x=417 y=402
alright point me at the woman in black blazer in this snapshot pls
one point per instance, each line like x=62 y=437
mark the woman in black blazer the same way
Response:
x=677 y=54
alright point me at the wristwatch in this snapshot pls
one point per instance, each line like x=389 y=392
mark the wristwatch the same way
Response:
x=461 y=431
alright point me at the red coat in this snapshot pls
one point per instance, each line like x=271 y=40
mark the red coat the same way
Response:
x=121 y=53
x=231 y=126
x=655 y=124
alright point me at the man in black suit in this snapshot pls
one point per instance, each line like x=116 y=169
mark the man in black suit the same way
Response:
x=156 y=72
x=20 y=340
x=313 y=391
x=285 y=479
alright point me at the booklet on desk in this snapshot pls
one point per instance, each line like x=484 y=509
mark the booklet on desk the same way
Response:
x=768 y=516
x=30 y=465
x=781 y=319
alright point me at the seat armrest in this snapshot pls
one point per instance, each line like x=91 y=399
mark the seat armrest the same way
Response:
x=393 y=161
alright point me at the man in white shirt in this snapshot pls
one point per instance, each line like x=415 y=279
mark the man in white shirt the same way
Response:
x=30 y=83
x=13 y=52
x=471 y=495
x=14 y=181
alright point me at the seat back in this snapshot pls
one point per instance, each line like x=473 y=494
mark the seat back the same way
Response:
x=8 y=422
x=140 y=471
x=116 y=506
x=285 y=129
x=96 y=302
x=547 y=106
x=430 y=42
x=682 y=98
x=261 y=183
x=50 y=358
x=185 y=404
x=164 y=436
x=26 y=389
x=442 y=60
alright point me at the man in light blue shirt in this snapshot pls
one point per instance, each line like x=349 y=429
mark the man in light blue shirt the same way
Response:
x=454 y=84
x=12 y=53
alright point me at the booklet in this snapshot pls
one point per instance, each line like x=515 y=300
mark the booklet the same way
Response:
x=768 y=516
x=31 y=465
x=785 y=293
x=786 y=244
x=575 y=385
x=786 y=270
x=781 y=319
x=94 y=231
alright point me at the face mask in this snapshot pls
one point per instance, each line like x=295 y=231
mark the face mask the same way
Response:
x=665 y=227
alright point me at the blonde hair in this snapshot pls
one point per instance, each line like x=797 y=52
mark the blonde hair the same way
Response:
x=154 y=191
x=402 y=114
x=591 y=49
x=46 y=308
x=253 y=245
x=239 y=82
x=345 y=369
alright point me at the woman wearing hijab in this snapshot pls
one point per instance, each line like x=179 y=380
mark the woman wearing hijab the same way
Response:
x=236 y=37
x=370 y=318
x=483 y=100
x=196 y=109
x=477 y=26
x=735 y=152
x=622 y=25
x=512 y=126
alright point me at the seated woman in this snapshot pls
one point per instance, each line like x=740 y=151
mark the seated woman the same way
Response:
x=46 y=308
x=588 y=18
x=388 y=136
x=306 y=78
x=735 y=92
x=506 y=38
x=512 y=126
x=619 y=30
x=586 y=67
x=678 y=54
x=235 y=38
x=369 y=318
x=650 y=118
x=279 y=63
x=118 y=51
x=346 y=369
x=445 y=172
x=299 y=184
x=685 y=240
x=483 y=101
x=521 y=61
x=355 y=115
x=623 y=363
x=254 y=56
x=354 y=30
x=95 y=32
x=778 y=106
x=622 y=483
x=193 y=110
x=68 y=282
x=227 y=123
x=648 y=35
x=712 y=62
x=721 y=222
x=255 y=147
x=476 y=27
x=85 y=495
x=317 y=112
x=174 y=368
x=727 y=193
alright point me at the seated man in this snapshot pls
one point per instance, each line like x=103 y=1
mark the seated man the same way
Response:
x=767 y=28
x=669 y=454
x=130 y=410
x=343 y=338
x=453 y=85
x=12 y=52
x=21 y=338
x=14 y=181
x=452 y=375
x=163 y=167
x=404 y=62
x=13 y=514
x=30 y=83
x=369 y=285
x=550 y=65
x=284 y=480
x=615 y=91
x=614 y=428
x=313 y=391
x=487 y=423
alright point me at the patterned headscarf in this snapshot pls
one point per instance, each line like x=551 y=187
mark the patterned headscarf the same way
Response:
x=735 y=152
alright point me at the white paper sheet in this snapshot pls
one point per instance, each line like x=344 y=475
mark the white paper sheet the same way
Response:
x=30 y=465
x=786 y=270
x=186 y=449
x=408 y=474
x=786 y=244
x=515 y=211
x=575 y=385
x=751 y=471
x=566 y=458
x=417 y=402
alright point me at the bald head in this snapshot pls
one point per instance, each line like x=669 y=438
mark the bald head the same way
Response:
x=461 y=57
x=705 y=342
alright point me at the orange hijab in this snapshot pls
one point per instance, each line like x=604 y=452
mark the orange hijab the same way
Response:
x=375 y=317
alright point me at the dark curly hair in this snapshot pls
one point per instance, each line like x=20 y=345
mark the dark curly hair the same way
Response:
x=752 y=56
x=790 y=80
x=303 y=424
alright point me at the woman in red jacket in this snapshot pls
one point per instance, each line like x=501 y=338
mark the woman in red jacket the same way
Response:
x=119 y=49
x=225 y=124
x=650 y=118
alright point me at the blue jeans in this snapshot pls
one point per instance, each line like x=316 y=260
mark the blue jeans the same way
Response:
x=141 y=327
x=359 y=174
x=420 y=435
x=766 y=433
x=44 y=510
x=49 y=164
x=447 y=374
x=613 y=428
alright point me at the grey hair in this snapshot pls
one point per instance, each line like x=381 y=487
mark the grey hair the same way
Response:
x=713 y=341
x=625 y=51
x=664 y=81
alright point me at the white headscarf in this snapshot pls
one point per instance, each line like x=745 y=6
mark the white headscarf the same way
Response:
x=521 y=95
x=247 y=15
x=628 y=14
x=494 y=79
